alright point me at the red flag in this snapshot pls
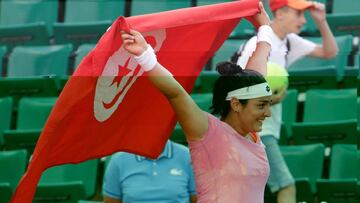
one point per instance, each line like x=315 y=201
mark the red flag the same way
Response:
x=107 y=106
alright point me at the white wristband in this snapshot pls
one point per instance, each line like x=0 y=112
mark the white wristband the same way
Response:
x=147 y=59
x=265 y=34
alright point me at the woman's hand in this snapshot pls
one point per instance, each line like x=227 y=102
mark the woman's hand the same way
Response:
x=134 y=42
x=262 y=17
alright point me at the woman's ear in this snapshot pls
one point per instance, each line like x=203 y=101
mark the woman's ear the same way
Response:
x=235 y=105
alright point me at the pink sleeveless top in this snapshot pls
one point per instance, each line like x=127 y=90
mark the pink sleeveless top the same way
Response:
x=228 y=167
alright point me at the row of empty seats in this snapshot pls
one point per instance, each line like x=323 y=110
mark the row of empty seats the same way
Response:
x=35 y=21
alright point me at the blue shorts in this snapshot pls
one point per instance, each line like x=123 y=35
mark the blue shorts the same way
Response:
x=280 y=175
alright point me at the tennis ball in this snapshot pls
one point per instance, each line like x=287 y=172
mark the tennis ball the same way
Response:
x=277 y=77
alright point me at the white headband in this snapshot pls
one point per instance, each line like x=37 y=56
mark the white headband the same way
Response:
x=251 y=92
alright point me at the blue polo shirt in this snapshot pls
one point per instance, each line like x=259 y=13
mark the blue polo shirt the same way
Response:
x=136 y=179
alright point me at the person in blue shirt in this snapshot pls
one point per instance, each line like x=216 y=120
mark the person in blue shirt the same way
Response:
x=130 y=178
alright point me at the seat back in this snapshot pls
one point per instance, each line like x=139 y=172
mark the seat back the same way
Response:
x=345 y=6
x=139 y=7
x=299 y=158
x=29 y=107
x=6 y=106
x=340 y=61
x=344 y=162
x=13 y=164
x=225 y=52
x=13 y=12
x=39 y=60
x=99 y=10
x=82 y=51
x=203 y=100
x=84 y=173
x=330 y=105
x=289 y=111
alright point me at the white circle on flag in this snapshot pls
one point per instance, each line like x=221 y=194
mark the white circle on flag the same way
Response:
x=110 y=89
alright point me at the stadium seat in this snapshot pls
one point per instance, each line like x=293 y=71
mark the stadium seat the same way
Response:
x=203 y=100
x=27 y=22
x=243 y=30
x=13 y=164
x=68 y=183
x=6 y=107
x=139 y=7
x=298 y=159
x=225 y=52
x=178 y=135
x=329 y=117
x=39 y=60
x=323 y=77
x=28 y=86
x=341 y=187
x=206 y=81
x=289 y=113
x=315 y=64
x=3 y=51
x=88 y=25
x=82 y=51
x=345 y=17
x=28 y=129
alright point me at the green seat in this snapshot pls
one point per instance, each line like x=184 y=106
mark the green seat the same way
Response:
x=323 y=77
x=3 y=50
x=328 y=103
x=329 y=117
x=205 y=81
x=13 y=164
x=39 y=61
x=345 y=17
x=178 y=135
x=243 y=30
x=88 y=25
x=6 y=106
x=298 y=159
x=203 y=100
x=289 y=113
x=350 y=77
x=30 y=86
x=229 y=47
x=139 y=7
x=341 y=187
x=28 y=129
x=340 y=61
x=82 y=51
x=27 y=22
x=68 y=183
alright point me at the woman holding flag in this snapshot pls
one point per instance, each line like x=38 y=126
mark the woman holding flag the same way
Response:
x=229 y=160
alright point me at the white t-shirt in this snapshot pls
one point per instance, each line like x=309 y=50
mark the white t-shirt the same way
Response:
x=299 y=47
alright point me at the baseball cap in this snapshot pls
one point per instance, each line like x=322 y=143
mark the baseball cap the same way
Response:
x=295 y=4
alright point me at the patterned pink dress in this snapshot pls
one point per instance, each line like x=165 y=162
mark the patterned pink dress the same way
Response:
x=228 y=167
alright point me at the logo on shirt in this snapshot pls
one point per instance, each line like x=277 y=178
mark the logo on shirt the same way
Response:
x=176 y=172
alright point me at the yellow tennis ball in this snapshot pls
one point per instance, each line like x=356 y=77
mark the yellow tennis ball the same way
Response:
x=277 y=77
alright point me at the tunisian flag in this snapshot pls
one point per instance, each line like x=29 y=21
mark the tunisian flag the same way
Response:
x=107 y=106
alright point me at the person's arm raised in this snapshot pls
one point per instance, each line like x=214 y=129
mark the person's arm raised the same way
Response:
x=192 y=119
x=259 y=58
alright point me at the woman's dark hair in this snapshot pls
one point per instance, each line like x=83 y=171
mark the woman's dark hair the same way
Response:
x=232 y=77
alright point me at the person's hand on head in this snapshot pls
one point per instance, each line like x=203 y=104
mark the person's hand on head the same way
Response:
x=262 y=18
x=134 y=42
x=318 y=12
x=279 y=96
